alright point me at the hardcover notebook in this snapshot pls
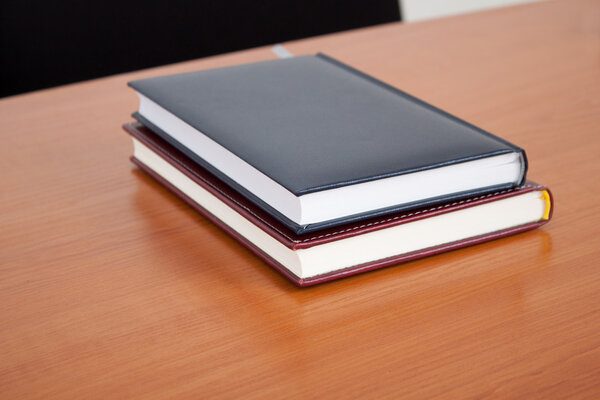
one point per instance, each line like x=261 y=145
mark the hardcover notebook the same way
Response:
x=316 y=143
x=351 y=248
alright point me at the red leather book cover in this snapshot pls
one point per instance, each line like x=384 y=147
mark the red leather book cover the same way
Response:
x=275 y=229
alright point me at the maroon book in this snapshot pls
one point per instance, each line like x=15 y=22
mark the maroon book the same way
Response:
x=344 y=250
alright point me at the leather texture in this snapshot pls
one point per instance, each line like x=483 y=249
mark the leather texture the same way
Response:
x=311 y=123
x=294 y=241
x=315 y=227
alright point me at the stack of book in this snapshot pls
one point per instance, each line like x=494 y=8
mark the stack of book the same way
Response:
x=324 y=171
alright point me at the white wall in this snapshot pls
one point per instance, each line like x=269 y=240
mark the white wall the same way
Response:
x=418 y=10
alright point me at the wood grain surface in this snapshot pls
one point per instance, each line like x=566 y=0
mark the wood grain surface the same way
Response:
x=110 y=287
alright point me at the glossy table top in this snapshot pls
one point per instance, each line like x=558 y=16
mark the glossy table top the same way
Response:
x=111 y=287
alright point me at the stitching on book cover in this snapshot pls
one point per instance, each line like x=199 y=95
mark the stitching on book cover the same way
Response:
x=182 y=164
x=420 y=212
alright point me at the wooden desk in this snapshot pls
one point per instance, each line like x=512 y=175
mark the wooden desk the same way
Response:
x=110 y=287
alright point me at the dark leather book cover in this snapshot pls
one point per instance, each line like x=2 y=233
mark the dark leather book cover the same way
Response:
x=290 y=239
x=311 y=123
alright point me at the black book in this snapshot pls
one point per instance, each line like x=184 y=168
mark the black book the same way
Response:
x=317 y=143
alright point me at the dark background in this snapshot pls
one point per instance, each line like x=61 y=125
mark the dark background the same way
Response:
x=45 y=43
